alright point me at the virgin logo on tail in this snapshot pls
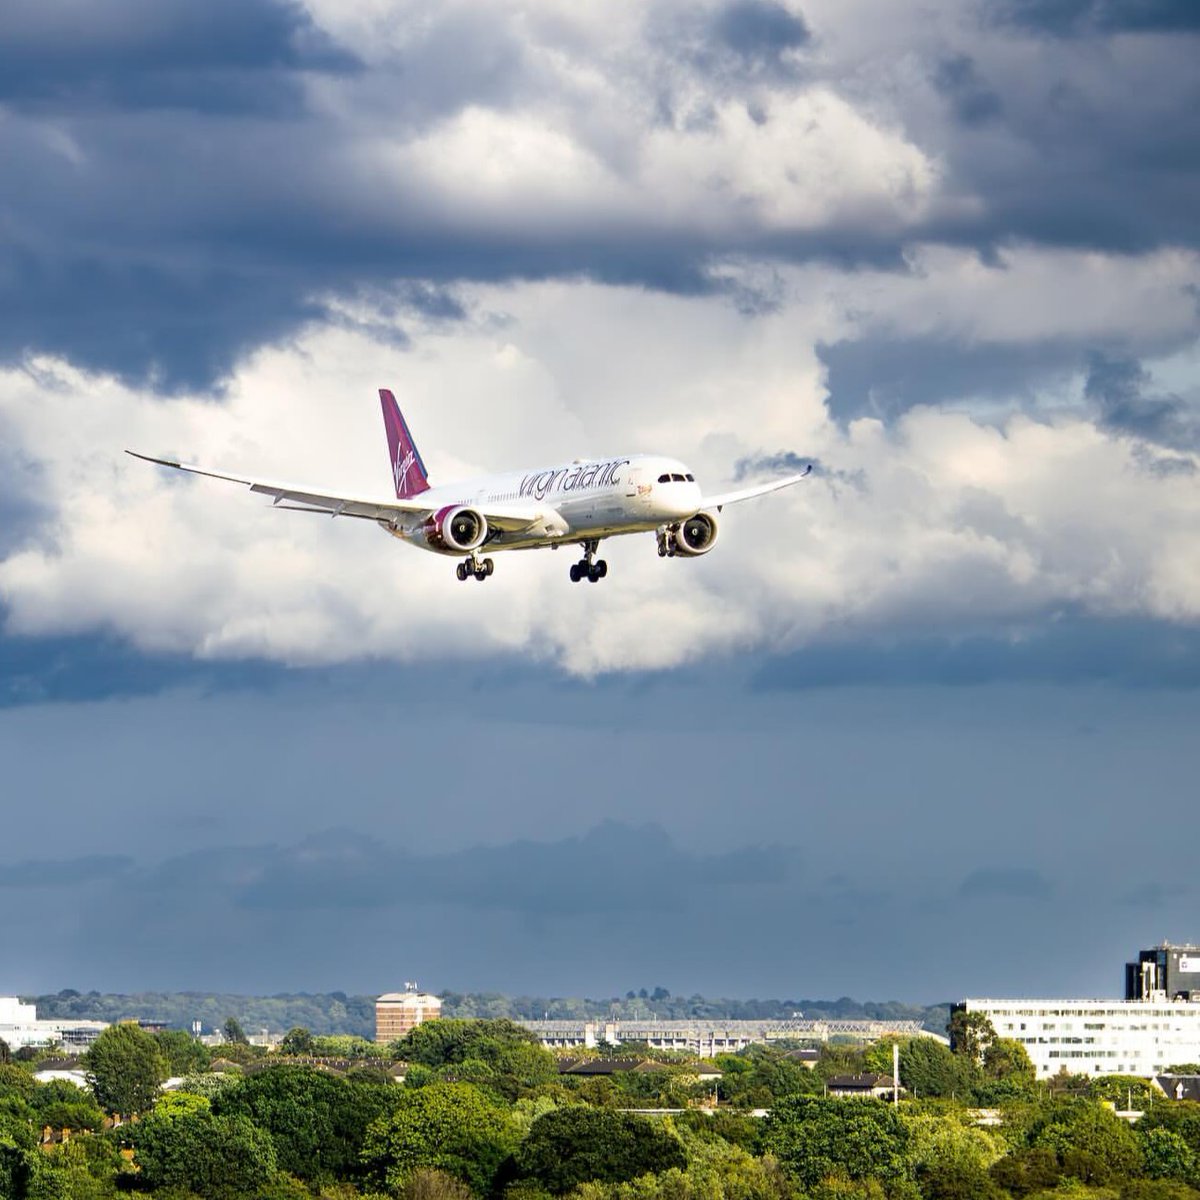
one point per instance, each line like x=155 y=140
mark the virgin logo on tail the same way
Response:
x=402 y=466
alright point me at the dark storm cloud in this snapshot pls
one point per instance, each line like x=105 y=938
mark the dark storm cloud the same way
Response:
x=1016 y=883
x=883 y=376
x=1071 y=650
x=1067 y=17
x=223 y=57
x=973 y=101
x=612 y=868
x=1121 y=390
x=171 y=200
x=64 y=872
x=759 y=29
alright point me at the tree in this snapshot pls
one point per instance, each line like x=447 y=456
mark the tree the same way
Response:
x=125 y=1068
x=1027 y=1170
x=1166 y=1155
x=452 y=1127
x=970 y=1034
x=573 y=1145
x=297 y=1042
x=217 y=1158
x=860 y=1139
x=930 y=1069
x=1090 y=1142
x=316 y=1121
x=234 y=1032
x=183 y=1053
x=5 y=1052
x=502 y=1054
x=1005 y=1059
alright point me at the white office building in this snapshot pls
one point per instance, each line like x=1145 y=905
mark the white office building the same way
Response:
x=20 y=1026
x=1099 y=1037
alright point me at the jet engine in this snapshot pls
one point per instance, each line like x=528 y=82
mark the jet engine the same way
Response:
x=456 y=529
x=695 y=536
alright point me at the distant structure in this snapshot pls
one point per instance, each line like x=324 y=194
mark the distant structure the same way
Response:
x=1166 y=971
x=708 y=1038
x=1155 y=1027
x=396 y=1013
x=20 y=1027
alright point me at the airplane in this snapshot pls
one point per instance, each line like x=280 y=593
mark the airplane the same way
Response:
x=583 y=502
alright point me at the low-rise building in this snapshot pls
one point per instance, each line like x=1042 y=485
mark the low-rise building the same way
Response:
x=21 y=1027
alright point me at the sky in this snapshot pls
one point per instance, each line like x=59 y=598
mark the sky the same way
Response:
x=920 y=728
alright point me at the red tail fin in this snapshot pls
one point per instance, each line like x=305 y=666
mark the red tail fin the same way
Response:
x=408 y=470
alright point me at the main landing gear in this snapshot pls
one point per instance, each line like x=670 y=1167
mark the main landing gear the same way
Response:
x=588 y=567
x=481 y=568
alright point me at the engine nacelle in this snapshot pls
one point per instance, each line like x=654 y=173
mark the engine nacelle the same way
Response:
x=456 y=530
x=695 y=536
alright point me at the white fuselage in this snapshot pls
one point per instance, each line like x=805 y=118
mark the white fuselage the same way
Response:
x=586 y=498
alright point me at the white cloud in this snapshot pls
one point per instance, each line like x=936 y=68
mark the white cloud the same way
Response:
x=940 y=522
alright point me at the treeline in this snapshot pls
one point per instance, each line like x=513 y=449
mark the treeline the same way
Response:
x=330 y=1012
x=484 y=1113
x=335 y=1012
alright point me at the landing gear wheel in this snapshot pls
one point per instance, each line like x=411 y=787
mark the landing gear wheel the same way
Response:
x=480 y=574
x=575 y=576
x=601 y=568
x=488 y=566
x=593 y=574
x=461 y=572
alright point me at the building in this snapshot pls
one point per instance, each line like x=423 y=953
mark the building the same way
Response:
x=1155 y=1027
x=397 y=1013
x=1166 y=970
x=20 y=1027
x=1098 y=1037
x=706 y=1039
x=869 y=1086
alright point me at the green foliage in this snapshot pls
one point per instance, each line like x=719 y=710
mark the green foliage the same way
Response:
x=971 y=1033
x=344 y=1045
x=453 y=1127
x=1006 y=1060
x=125 y=1068
x=297 y=1042
x=16 y=1081
x=317 y=1121
x=183 y=1053
x=1167 y=1155
x=760 y=1075
x=1123 y=1090
x=572 y=1145
x=216 y=1157
x=1180 y=1116
x=945 y=1145
x=859 y=1139
x=1025 y=1171
x=234 y=1032
x=497 y=1054
x=62 y=1105
x=1090 y=1142
x=928 y=1068
x=1157 y=1189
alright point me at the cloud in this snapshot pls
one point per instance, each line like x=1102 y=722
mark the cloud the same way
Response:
x=183 y=192
x=65 y=872
x=1074 y=17
x=612 y=868
x=1008 y=883
x=973 y=526
x=1118 y=386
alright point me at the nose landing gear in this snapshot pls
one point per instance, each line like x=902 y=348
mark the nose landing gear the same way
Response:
x=589 y=567
x=481 y=568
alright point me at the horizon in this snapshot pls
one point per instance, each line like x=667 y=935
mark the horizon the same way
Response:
x=922 y=725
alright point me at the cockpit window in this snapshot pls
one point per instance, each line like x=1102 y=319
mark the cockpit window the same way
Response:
x=664 y=479
x=690 y=477
x=677 y=478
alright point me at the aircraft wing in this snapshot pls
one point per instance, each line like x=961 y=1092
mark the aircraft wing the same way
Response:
x=512 y=518
x=749 y=493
